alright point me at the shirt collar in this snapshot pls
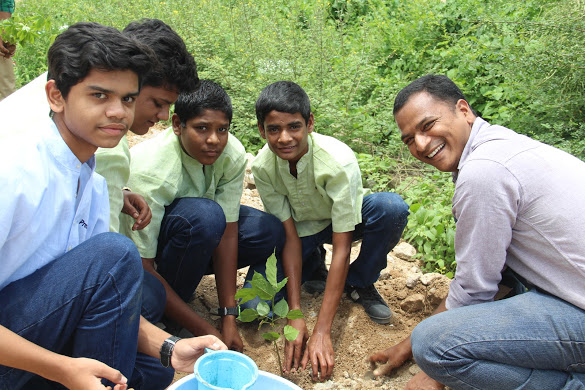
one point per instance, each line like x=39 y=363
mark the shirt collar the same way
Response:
x=303 y=162
x=477 y=125
x=60 y=150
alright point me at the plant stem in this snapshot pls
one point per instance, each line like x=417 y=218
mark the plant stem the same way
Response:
x=278 y=356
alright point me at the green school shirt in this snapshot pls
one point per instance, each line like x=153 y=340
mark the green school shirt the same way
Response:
x=328 y=188
x=162 y=172
x=114 y=165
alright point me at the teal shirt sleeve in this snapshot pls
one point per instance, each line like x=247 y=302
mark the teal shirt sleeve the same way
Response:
x=7 y=6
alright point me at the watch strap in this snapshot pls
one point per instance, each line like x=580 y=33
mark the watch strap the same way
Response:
x=166 y=350
x=228 y=311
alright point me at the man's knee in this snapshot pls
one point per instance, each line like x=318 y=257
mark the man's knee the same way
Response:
x=424 y=343
x=392 y=209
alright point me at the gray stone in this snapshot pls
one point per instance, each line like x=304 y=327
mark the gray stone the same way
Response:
x=413 y=303
x=412 y=280
x=404 y=251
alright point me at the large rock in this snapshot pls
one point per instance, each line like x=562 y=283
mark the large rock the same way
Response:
x=404 y=251
x=413 y=303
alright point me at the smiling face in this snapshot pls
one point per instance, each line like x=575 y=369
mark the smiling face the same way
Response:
x=435 y=131
x=205 y=136
x=97 y=111
x=152 y=106
x=287 y=134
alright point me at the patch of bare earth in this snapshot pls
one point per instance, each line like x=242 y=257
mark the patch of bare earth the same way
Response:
x=411 y=296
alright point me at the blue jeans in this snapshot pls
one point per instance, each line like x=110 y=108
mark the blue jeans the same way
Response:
x=384 y=217
x=191 y=230
x=85 y=303
x=530 y=341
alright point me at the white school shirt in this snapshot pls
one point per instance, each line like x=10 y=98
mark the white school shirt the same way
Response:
x=49 y=201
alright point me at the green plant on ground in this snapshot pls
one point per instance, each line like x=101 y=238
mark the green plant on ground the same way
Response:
x=266 y=289
x=431 y=226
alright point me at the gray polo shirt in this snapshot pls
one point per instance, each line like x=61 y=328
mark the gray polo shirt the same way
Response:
x=518 y=203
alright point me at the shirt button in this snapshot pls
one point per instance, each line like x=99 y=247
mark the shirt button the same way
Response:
x=68 y=248
x=78 y=166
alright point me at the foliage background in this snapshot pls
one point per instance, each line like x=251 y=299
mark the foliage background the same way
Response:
x=521 y=64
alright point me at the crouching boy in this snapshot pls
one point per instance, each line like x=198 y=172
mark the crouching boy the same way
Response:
x=313 y=184
x=192 y=178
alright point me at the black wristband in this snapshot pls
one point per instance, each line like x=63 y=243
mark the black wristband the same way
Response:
x=228 y=311
x=166 y=350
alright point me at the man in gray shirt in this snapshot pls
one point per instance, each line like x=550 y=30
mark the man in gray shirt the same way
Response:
x=520 y=211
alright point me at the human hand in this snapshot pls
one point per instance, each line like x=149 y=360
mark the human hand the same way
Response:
x=422 y=381
x=293 y=349
x=136 y=207
x=230 y=335
x=394 y=357
x=86 y=374
x=187 y=351
x=7 y=49
x=320 y=351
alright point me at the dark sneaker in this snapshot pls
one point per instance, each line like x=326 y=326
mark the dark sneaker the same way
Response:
x=373 y=303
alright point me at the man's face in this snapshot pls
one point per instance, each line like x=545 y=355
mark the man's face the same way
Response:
x=152 y=106
x=97 y=111
x=287 y=134
x=435 y=131
x=204 y=137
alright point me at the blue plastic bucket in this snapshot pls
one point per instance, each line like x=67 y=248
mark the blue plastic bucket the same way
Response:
x=220 y=370
x=265 y=381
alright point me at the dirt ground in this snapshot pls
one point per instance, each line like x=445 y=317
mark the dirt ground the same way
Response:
x=411 y=296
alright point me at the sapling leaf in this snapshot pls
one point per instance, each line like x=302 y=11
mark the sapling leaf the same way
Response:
x=271 y=270
x=263 y=309
x=271 y=336
x=264 y=289
x=246 y=294
x=281 y=284
x=295 y=314
x=248 y=315
x=281 y=308
x=290 y=332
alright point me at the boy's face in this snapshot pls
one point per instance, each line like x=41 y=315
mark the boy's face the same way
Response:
x=97 y=111
x=205 y=136
x=435 y=131
x=286 y=134
x=152 y=106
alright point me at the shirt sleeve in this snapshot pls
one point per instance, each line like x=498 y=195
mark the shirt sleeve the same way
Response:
x=344 y=188
x=230 y=187
x=274 y=202
x=485 y=204
x=7 y=6
x=114 y=165
x=157 y=194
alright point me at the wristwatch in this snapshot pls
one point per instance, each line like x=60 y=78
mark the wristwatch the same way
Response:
x=228 y=311
x=166 y=350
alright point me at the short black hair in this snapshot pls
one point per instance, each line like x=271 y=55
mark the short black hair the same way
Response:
x=178 y=69
x=209 y=96
x=439 y=87
x=283 y=96
x=85 y=46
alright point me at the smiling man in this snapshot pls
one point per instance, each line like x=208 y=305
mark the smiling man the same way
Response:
x=519 y=209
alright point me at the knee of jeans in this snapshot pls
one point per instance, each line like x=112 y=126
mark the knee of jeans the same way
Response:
x=393 y=208
x=117 y=247
x=207 y=218
x=424 y=343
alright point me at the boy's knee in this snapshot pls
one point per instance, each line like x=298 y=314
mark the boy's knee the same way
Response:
x=114 y=247
x=199 y=216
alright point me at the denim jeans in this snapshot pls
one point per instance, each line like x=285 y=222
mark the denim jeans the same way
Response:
x=191 y=230
x=384 y=217
x=530 y=341
x=85 y=303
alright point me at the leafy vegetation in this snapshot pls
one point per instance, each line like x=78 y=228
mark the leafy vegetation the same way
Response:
x=521 y=64
x=266 y=289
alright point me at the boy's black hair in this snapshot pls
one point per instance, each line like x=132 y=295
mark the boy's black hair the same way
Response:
x=178 y=69
x=209 y=95
x=283 y=96
x=439 y=87
x=85 y=46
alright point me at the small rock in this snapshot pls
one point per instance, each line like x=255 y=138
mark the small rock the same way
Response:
x=324 y=386
x=414 y=369
x=345 y=374
x=369 y=375
x=404 y=251
x=413 y=303
x=426 y=279
x=412 y=280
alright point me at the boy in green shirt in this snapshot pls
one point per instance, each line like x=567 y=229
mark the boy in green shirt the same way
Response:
x=192 y=178
x=313 y=184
